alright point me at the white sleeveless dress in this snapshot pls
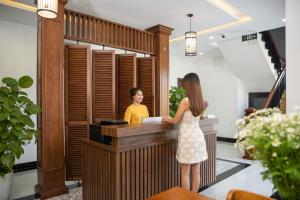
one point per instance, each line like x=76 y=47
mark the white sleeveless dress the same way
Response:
x=191 y=143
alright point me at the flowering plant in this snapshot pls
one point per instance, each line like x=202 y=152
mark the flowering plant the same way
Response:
x=276 y=140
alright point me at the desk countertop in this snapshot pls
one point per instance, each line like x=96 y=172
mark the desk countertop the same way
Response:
x=140 y=129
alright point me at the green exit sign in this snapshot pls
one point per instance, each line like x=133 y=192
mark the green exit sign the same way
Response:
x=249 y=37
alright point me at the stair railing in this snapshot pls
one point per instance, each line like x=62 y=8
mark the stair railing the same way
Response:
x=275 y=87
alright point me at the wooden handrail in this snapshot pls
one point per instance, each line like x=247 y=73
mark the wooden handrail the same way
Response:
x=274 y=88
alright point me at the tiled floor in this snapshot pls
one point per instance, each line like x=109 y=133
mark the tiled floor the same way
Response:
x=248 y=178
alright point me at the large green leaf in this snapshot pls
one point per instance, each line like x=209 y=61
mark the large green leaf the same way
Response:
x=3 y=116
x=10 y=81
x=19 y=134
x=7 y=160
x=19 y=126
x=27 y=121
x=16 y=149
x=17 y=112
x=2 y=147
x=11 y=100
x=4 y=134
x=24 y=99
x=13 y=120
x=4 y=90
x=8 y=107
x=33 y=109
x=25 y=82
x=2 y=99
x=178 y=96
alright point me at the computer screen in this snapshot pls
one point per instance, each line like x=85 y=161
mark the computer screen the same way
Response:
x=151 y=120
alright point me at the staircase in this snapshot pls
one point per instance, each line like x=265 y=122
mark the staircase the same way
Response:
x=275 y=44
x=271 y=44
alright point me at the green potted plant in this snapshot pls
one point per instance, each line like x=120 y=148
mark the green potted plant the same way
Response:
x=16 y=126
x=176 y=94
x=276 y=140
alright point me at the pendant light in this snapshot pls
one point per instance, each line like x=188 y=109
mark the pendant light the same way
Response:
x=47 y=8
x=190 y=40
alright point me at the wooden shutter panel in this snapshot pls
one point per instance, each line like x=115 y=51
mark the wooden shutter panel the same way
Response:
x=77 y=106
x=146 y=81
x=126 y=80
x=104 y=73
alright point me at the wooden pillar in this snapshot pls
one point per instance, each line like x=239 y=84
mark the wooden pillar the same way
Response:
x=50 y=148
x=161 y=52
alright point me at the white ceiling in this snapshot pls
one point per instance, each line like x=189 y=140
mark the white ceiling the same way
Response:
x=266 y=14
x=144 y=13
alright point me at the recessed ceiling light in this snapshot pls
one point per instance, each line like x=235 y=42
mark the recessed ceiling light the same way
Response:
x=211 y=37
x=200 y=53
x=283 y=20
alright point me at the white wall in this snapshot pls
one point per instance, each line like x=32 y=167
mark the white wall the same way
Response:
x=292 y=54
x=18 y=57
x=242 y=98
x=225 y=94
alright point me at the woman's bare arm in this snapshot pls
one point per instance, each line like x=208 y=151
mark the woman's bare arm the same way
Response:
x=183 y=106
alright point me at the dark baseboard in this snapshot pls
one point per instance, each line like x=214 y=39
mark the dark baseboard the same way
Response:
x=24 y=166
x=226 y=174
x=225 y=139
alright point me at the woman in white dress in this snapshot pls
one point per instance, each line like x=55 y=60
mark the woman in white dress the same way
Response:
x=191 y=143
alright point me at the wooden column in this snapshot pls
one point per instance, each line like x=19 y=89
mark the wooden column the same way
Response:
x=161 y=52
x=50 y=149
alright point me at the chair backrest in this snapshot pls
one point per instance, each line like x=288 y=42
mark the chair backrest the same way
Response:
x=237 y=194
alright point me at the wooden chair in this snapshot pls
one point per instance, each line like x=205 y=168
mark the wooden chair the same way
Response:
x=237 y=194
x=178 y=193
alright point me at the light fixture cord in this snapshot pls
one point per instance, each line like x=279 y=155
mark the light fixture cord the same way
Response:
x=190 y=24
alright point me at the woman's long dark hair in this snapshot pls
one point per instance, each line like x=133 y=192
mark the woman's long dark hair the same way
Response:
x=192 y=87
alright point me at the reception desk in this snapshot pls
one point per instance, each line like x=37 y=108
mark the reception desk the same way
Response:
x=140 y=161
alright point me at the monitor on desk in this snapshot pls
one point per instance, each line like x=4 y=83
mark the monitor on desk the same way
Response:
x=152 y=120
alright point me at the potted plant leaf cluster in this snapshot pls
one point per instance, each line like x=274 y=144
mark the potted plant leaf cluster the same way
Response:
x=176 y=94
x=16 y=126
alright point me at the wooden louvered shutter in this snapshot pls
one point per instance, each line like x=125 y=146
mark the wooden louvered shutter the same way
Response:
x=146 y=81
x=104 y=85
x=77 y=106
x=126 y=67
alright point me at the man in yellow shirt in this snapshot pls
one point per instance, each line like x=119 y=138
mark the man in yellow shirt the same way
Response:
x=136 y=111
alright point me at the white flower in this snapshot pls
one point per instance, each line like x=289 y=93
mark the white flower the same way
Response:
x=267 y=120
x=290 y=130
x=276 y=142
x=274 y=154
x=239 y=121
x=278 y=117
x=243 y=133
